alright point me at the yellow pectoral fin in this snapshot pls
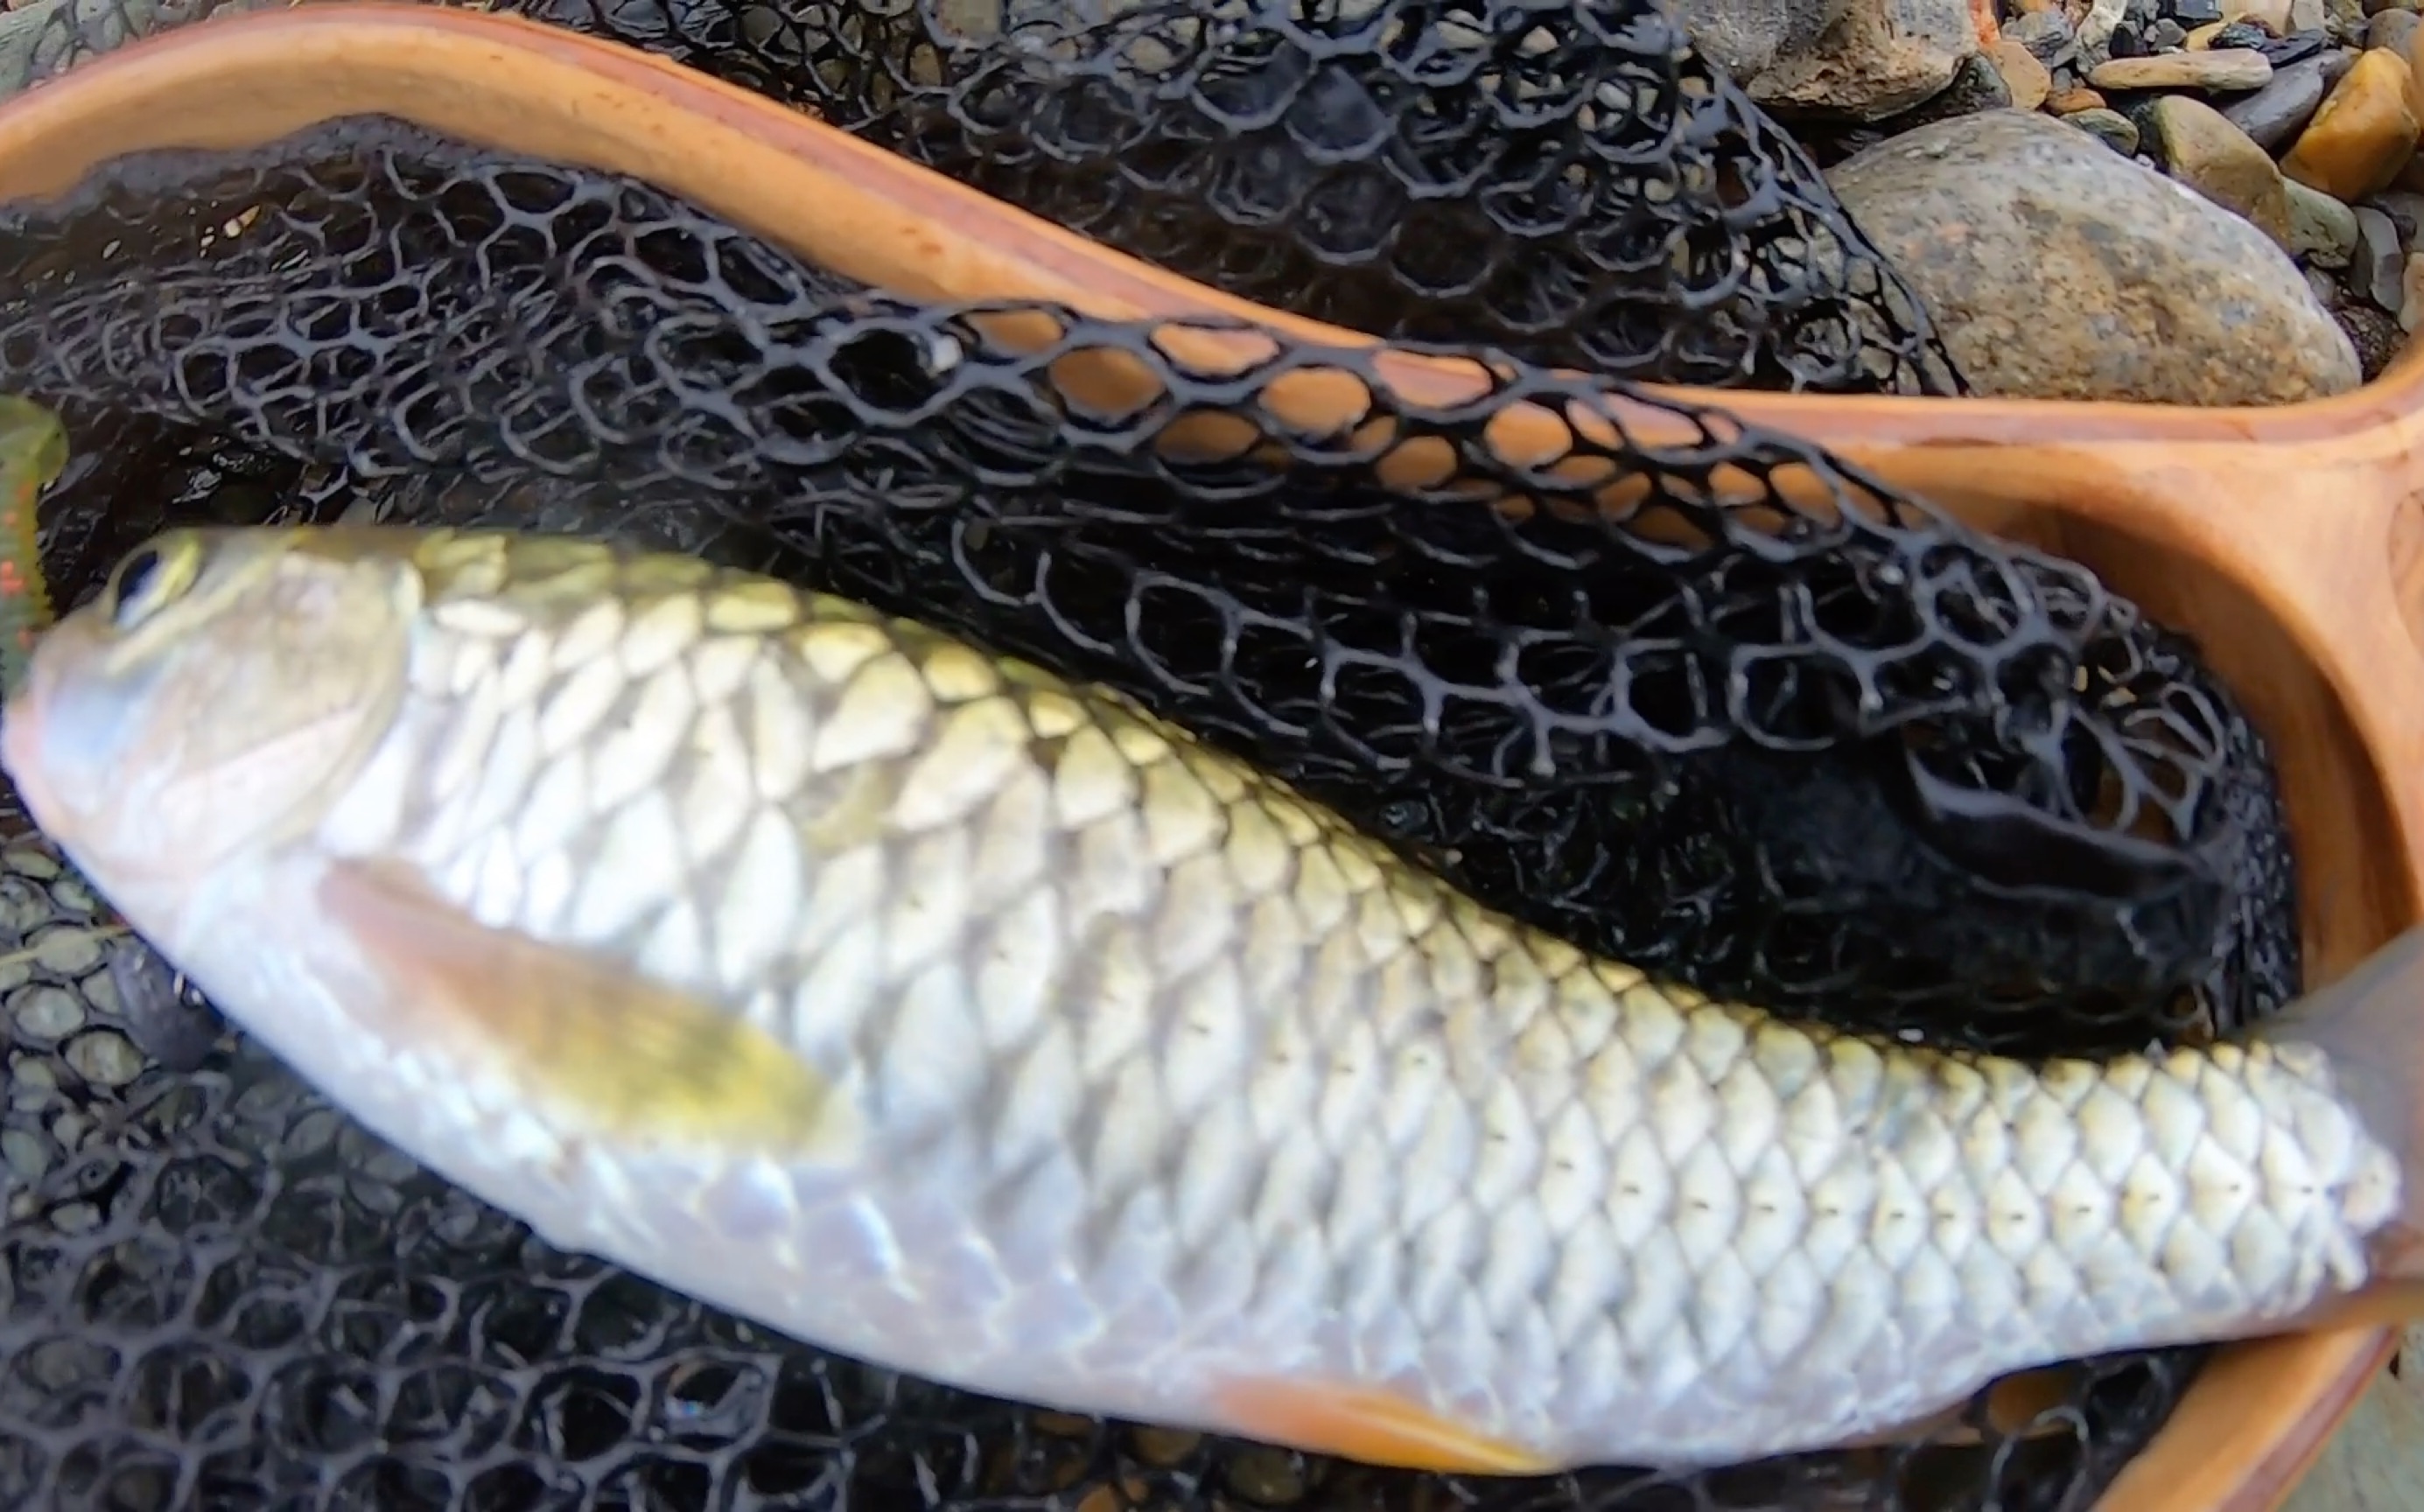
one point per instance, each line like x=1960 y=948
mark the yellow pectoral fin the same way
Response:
x=631 y=1056
x=1369 y=1425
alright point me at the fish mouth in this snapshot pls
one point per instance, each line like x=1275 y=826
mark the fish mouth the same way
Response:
x=62 y=785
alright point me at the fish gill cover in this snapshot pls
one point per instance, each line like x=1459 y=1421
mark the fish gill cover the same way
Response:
x=1850 y=761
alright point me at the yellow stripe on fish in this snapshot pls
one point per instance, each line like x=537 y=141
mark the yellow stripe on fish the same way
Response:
x=924 y=1006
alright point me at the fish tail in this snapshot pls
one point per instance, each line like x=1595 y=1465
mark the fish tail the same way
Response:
x=2370 y=1024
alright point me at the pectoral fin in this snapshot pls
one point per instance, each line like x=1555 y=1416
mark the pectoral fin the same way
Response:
x=1368 y=1425
x=633 y=1058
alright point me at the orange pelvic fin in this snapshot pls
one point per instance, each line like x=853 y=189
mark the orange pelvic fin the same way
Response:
x=2391 y=1303
x=1371 y=1427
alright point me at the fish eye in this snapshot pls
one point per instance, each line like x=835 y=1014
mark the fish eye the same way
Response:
x=148 y=578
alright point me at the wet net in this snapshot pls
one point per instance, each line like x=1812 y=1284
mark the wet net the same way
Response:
x=1568 y=181
x=1689 y=693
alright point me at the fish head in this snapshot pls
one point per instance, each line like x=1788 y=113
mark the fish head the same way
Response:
x=210 y=703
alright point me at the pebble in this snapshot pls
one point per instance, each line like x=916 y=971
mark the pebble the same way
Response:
x=2028 y=80
x=177 y=1033
x=2045 y=33
x=31 y=1083
x=1743 y=36
x=69 y=950
x=2310 y=18
x=1163 y=1447
x=2071 y=102
x=48 y=1012
x=2284 y=51
x=2140 y=288
x=1857 y=60
x=1259 y=1473
x=2405 y=209
x=2165 y=36
x=2215 y=158
x=2114 y=129
x=1975 y=87
x=102 y=993
x=2322 y=229
x=26 y=1154
x=2236 y=67
x=2202 y=39
x=27 y=863
x=104 y=1058
x=2374 y=334
x=2272 y=15
x=2362 y=134
x=2379 y=263
x=2096 y=26
x=2197 y=12
x=2411 y=294
x=2375 y=8
x=2392 y=30
x=2281 y=109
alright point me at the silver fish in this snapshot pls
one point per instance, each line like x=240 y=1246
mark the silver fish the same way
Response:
x=925 y=1007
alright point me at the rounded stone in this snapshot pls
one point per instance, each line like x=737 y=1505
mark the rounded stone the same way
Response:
x=25 y=862
x=2218 y=161
x=70 y=952
x=2277 y=113
x=2361 y=136
x=105 y=1059
x=2136 y=288
x=2023 y=75
x=2114 y=129
x=48 y=1012
x=1271 y=1476
x=2322 y=229
x=2232 y=68
x=27 y=1155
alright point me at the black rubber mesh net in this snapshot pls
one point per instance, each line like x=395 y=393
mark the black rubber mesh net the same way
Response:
x=1855 y=761
x=1568 y=180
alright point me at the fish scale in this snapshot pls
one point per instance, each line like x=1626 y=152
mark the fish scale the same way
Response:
x=1150 y=1088
x=958 y=741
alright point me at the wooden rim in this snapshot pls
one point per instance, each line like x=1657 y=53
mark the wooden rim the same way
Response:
x=2306 y=516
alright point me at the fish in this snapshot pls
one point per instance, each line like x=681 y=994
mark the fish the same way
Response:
x=923 y=1005
x=33 y=454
